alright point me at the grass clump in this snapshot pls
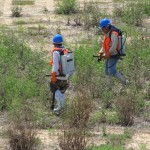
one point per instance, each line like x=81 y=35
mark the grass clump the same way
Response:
x=78 y=112
x=22 y=133
x=16 y=12
x=66 y=7
x=91 y=15
x=106 y=147
x=22 y=2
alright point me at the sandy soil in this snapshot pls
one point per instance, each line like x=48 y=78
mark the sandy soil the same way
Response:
x=35 y=13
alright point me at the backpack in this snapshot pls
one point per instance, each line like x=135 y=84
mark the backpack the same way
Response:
x=67 y=62
x=122 y=39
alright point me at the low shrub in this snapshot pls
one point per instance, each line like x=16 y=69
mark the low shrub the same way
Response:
x=66 y=7
x=16 y=12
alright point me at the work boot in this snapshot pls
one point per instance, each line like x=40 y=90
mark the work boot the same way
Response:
x=122 y=78
x=57 y=112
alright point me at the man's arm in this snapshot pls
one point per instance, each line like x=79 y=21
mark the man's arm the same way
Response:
x=114 y=43
x=56 y=59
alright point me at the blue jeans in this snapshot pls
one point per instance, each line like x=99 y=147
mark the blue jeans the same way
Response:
x=110 y=67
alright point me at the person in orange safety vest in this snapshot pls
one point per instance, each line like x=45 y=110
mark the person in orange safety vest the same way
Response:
x=57 y=86
x=111 y=46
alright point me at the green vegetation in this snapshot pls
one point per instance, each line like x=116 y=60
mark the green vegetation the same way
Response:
x=20 y=22
x=91 y=15
x=22 y=2
x=22 y=70
x=66 y=7
x=106 y=147
x=24 y=92
x=16 y=12
x=133 y=12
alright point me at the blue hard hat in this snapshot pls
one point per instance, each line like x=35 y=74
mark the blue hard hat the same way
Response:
x=104 y=23
x=58 y=39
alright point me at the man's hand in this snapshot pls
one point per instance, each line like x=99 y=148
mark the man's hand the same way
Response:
x=50 y=62
x=107 y=55
x=100 y=53
x=53 y=77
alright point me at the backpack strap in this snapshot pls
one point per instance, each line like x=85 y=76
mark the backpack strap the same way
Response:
x=62 y=51
x=117 y=34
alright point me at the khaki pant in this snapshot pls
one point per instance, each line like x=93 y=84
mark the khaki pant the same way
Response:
x=61 y=85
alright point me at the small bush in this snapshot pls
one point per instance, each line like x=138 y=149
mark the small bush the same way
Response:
x=22 y=2
x=76 y=117
x=91 y=15
x=22 y=133
x=73 y=139
x=16 y=12
x=126 y=108
x=66 y=7
x=78 y=112
x=22 y=137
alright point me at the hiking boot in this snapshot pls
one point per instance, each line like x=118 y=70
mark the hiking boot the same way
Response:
x=56 y=112
x=127 y=82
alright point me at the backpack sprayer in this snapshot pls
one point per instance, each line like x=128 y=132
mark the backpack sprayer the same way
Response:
x=122 y=39
x=68 y=68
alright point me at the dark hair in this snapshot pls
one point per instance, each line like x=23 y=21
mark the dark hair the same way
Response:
x=109 y=26
x=58 y=45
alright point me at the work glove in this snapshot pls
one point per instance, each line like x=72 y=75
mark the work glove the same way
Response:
x=50 y=62
x=100 y=53
x=53 y=77
x=107 y=55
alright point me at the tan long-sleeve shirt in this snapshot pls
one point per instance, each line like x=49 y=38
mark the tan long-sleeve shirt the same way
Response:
x=113 y=44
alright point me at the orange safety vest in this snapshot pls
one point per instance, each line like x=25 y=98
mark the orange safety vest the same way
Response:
x=65 y=51
x=107 y=40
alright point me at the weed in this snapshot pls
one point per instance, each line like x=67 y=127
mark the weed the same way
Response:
x=116 y=139
x=91 y=15
x=98 y=117
x=126 y=110
x=143 y=147
x=22 y=133
x=128 y=132
x=20 y=22
x=16 y=12
x=22 y=2
x=73 y=139
x=104 y=131
x=76 y=115
x=66 y=7
x=22 y=136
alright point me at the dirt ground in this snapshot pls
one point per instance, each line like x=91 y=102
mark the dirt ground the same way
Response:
x=35 y=13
